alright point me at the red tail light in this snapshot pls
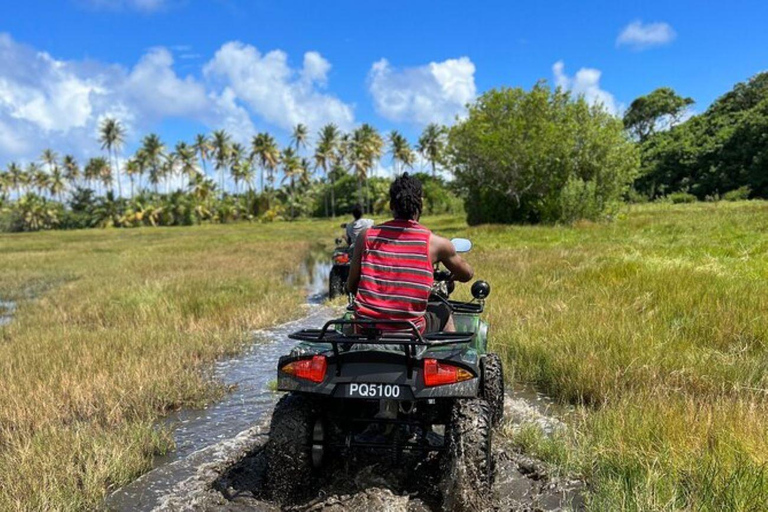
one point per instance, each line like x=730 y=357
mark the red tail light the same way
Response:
x=341 y=259
x=309 y=369
x=437 y=373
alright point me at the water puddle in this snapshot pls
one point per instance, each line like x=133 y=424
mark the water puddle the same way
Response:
x=525 y=406
x=7 y=308
x=250 y=401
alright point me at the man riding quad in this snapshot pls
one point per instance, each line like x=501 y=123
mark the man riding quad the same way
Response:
x=406 y=371
x=392 y=268
x=341 y=256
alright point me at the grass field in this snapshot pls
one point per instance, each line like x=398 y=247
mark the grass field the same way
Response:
x=654 y=325
x=657 y=326
x=114 y=328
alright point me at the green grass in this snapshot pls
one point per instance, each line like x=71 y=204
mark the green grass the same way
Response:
x=655 y=326
x=116 y=328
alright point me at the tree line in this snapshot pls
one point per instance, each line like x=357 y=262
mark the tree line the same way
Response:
x=214 y=178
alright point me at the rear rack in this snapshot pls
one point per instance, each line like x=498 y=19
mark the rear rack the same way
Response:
x=371 y=334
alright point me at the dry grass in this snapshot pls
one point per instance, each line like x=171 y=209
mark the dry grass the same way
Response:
x=115 y=328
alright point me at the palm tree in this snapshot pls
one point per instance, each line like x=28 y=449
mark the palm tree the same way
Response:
x=152 y=151
x=326 y=156
x=264 y=149
x=366 y=148
x=187 y=160
x=5 y=186
x=98 y=169
x=71 y=170
x=133 y=169
x=169 y=168
x=57 y=183
x=16 y=177
x=299 y=137
x=202 y=147
x=112 y=138
x=50 y=158
x=37 y=178
x=291 y=170
x=432 y=144
x=221 y=151
x=400 y=151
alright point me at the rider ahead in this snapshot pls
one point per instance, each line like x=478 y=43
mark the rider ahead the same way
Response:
x=392 y=269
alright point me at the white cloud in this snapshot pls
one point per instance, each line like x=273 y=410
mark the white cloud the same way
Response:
x=45 y=102
x=273 y=90
x=154 y=85
x=436 y=92
x=139 y=5
x=586 y=82
x=639 y=35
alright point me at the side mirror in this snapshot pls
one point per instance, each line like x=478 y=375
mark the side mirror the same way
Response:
x=343 y=225
x=339 y=241
x=461 y=244
x=481 y=290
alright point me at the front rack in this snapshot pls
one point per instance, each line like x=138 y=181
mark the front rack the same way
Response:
x=369 y=332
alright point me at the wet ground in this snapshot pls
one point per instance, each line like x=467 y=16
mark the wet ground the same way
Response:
x=219 y=465
x=7 y=309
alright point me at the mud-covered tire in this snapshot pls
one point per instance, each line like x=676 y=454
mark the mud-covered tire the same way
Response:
x=336 y=284
x=289 y=448
x=467 y=476
x=493 y=387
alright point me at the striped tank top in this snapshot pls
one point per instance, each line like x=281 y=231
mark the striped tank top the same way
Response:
x=396 y=273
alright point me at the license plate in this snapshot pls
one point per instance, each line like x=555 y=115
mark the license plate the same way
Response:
x=359 y=390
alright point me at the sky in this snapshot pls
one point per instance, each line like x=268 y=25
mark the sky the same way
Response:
x=181 y=67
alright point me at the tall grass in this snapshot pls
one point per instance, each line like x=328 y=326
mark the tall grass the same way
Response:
x=656 y=327
x=115 y=328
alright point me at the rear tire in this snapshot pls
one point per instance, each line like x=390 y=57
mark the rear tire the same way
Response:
x=493 y=387
x=468 y=465
x=335 y=284
x=289 y=448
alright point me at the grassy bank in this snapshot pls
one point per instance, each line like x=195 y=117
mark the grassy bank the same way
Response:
x=114 y=328
x=657 y=326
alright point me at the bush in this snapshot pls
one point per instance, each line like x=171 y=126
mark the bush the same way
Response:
x=540 y=156
x=680 y=198
x=740 y=194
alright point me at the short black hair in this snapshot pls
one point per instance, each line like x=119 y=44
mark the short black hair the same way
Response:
x=357 y=211
x=405 y=197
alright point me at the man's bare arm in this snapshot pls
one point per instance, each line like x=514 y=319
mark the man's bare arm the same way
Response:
x=354 y=266
x=445 y=253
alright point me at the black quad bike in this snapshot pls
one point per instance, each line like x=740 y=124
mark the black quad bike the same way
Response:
x=337 y=280
x=439 y=393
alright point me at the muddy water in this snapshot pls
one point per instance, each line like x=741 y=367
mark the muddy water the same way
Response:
x=7 y=309
x=251 y=400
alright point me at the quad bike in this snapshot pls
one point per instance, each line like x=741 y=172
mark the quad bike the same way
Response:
x=351 y=377
x=337 y=280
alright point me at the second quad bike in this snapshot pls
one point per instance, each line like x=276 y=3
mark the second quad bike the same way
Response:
x=441 y=392
x=337 y=280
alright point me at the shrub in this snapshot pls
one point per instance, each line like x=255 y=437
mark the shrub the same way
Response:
x=540 y=156
x=740 y=194
x=681 y=197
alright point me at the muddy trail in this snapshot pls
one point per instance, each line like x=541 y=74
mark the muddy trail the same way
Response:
x=219 y=461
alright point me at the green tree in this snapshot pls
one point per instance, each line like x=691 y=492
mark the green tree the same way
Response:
x=112 y=138
x=151 y=156
x=661 y=109
x=16 y=177
x=431 y=145
x=71 y=170
x=300 y=137
x=203 y=148
x=539 y=156
x=291 y=171
x=221 y=144
x=401 y=151
x=326 y=156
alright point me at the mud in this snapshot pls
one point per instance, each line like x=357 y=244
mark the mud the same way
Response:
x=230 y=477
x=7 y=308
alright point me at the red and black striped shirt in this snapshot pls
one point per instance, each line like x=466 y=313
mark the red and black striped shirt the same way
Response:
x=396 y=273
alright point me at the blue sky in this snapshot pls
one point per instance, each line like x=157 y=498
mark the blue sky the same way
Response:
x=179 y=67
